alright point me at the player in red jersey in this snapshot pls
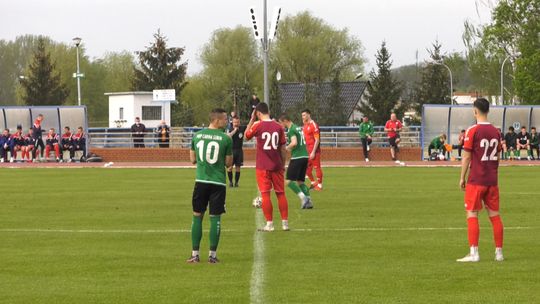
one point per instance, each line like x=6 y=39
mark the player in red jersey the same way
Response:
x=312 y=136
x=392 y=129
x=52 y=142
x=270 y=163
x=482 y=146
x=29 y=145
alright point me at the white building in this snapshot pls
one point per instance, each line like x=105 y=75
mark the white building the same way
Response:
x=125 y=106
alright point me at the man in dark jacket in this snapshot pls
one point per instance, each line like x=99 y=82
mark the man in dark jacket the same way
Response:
x=137 y=132
x=6 y=145
x=163 y=134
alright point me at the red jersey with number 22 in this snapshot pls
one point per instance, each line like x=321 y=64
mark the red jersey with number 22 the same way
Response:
x=483 y=140
x=270 y=137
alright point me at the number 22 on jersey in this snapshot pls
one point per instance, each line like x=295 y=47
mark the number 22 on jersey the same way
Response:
x=487 y=145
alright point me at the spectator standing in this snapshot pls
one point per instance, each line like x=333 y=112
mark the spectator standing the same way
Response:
x=163 y=132
x=366 y=132
x=236 y=132
x=253 y=102
x=137 y=132
x=534 y=143
x=392 y=129
x=38 y=136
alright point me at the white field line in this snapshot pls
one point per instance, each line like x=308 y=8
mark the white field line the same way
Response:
x=258 y=241
x=256 y=293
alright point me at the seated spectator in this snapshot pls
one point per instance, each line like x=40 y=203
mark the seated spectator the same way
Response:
x=163 y=133
x=438 y=144
x=510 y=142
x=523 y=143
x=6 y=144
x=52 y=142
x=29 y=145
x=18 y=144
x=66 y=144
x=79 y=143
x=534 y=143
x=459 y=146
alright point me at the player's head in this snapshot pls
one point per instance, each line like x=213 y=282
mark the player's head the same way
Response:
x=261 y=110
x=481 y=107
x=218 y=118
x=51 y=131
x=533 y=130
x=285 y=120
x=442 y=137
x=19 y=128
x=39 y=117
x=393 y=117
x=6 y=132
x=306 y=115
x=236 y=121
x=66 y=129
x=511 y=129
x=523 y=130
x=463 y=131
x=79 y=130
x=137 y=120
x=365 y=119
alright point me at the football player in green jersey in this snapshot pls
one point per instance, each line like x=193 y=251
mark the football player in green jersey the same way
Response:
x=211 y=151
x=296 y=172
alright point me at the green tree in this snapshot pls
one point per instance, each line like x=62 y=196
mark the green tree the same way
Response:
x=435 y=82
x=335 y=112
x=383 y=97
x=160 y=67
x=309 y=50
x=231 y=68
x=43 y=85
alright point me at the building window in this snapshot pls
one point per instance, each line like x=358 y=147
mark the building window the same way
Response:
x=121 y=114
x=151 y=113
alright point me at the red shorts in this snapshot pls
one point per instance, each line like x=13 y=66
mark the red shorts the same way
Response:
x=316 y=162
x=476 y=194
x=268 y=180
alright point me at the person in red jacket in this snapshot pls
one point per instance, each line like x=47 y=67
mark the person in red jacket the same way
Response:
x=52 y=142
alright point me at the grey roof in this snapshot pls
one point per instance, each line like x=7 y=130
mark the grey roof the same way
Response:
x=128 y=93
x=351 y=93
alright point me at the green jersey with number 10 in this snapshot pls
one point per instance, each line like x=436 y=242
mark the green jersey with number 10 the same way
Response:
x=211 y=146
x=300 y=150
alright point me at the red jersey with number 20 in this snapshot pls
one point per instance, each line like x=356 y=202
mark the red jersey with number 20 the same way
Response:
x=270 y=137
x=483 y=140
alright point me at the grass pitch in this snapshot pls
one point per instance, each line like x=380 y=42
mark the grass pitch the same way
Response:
x=376 y=235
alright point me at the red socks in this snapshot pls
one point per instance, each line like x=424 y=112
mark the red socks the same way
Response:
x=318 y=170
x=497 y=230
x=283 y=206
x=473 y=231
x=267 y=206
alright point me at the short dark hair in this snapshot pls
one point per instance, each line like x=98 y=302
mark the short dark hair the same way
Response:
x=523 y=128
x=66 y=127
x=214 y=114
x=80 y=128
x=284 y=116
x=511 y=129
x=482 y=105
x=306 y=111
x=462 y=130
x=263 y=108
x=533 y=128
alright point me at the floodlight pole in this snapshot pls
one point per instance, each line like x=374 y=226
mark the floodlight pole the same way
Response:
x=78 y=75
x=451 y=79
x=265 y=53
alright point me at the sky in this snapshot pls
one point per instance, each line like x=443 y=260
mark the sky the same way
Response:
x=117 y=25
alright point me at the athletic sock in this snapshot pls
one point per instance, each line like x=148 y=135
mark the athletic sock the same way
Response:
x=529 y=153
x=229 y=174
x=196 y=232
x=267 y=206
x=294 y=187
x=318 y=170
x=304 y=189
x=498 y=230
x=212 y=254
x=516 y=153
x=236 y=178
x=215 y=231
x=283 y=206
x=473 y=230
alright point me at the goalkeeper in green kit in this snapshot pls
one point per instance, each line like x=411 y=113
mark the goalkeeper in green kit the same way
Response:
x=211 y=150
x=366 y=131
x=296 y=172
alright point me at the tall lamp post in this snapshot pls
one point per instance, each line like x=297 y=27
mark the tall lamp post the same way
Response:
x=451 y=80
x=502 y=73
x=78 y=75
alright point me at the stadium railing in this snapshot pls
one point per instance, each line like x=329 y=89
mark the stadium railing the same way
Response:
x=331 y=136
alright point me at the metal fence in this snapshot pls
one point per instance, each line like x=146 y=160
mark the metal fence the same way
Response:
x=181 y=137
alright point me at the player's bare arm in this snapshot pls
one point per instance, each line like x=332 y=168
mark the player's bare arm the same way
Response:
x=294 y=143
x=192 y=157
x=283 y=154
x=315 y=147
x=251 y=121
x=465 y=163
x=228 y=161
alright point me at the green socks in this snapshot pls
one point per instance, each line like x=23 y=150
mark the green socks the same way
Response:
x=294 y=187
x=196 y=232
x=215 y=230
x=304 y=189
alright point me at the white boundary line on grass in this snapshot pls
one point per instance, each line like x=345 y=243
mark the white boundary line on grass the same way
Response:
x=258 y=243
x=256 y=294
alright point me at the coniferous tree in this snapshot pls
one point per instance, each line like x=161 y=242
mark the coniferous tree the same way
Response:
x=43 y=84
x=435 y=81
x=384 y=95
x=335 y=111
x=160 y=67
